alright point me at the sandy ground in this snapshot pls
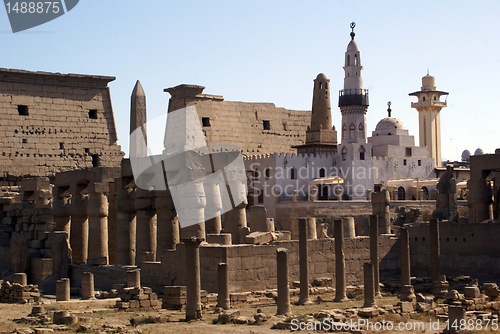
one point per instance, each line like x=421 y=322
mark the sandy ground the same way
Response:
x=103 y=318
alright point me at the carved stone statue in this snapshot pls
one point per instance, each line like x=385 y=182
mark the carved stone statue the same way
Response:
x=61 y=255
x=446 y=202
x=19 y=252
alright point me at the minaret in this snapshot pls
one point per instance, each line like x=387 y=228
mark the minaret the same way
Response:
x=428 y=107
x=353 y=99
x=321 y=137
x=321 y=117
x=138 y=139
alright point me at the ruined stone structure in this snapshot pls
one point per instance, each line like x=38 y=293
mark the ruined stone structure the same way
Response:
x=55 y=122
x=254 y=127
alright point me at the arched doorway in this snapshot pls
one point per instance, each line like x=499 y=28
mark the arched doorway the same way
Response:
x=425 y=193
x=401 y=194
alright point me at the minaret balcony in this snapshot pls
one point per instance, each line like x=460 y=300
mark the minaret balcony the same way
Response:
x=429 y=103
x=348 y=97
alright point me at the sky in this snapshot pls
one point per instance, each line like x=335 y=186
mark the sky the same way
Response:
x=271 y=51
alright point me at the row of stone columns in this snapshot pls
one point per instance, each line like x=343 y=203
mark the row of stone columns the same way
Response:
x=82 y=210
x=370 y=269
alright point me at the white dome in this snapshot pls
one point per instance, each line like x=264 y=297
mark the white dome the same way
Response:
x=479 y=152
x=390 y=123
x=466 y=155
x=352 y=46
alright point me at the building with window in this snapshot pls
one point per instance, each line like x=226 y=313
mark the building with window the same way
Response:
x=347 y=170
x=54 y=122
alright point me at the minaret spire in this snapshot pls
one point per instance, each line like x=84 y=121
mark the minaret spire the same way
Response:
x=353 y=99
x=389 y=108
x=428 y=107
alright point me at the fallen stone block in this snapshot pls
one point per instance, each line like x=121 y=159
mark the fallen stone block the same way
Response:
x=259 y=238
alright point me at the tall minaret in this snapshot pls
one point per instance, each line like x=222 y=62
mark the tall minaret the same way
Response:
x=428 y=107
x=321 y=137
x=321 y=117
x=353 y=99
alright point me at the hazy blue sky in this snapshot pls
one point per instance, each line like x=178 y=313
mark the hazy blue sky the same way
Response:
x=270 y=51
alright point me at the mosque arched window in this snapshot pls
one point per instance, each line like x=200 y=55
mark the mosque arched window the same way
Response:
x=344 y=131
x=293 y=173
x=344 y=153
x=322 y=172
x=361 y=130
x=320 y=85
x=355 y=59
x=352 y=131
x=348 y=60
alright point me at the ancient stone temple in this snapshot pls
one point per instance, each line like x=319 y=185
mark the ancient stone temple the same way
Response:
x=55 y=122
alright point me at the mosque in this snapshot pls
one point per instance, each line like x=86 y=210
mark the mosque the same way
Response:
x=359 y=164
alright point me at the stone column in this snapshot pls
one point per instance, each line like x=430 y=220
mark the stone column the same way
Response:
x=407 y=292
x=340 y=286
x=20 y=278
x=79 y=235
x=134 y=278
x=193 y=284
x=168 y=224
x=112 y=223
x=369 y=287
x=314 y=193
x=455 y=314
x=303 y=262
x=294 y=196
x=61 y=202
x=234 y=221
x=223 y=287
x=146 y=226
x=284 y=307
x=380 y=205
x=97 y=211
x=125 y=221
x=213 y=208
x=374 y=253
x=62 y=290
x=435 y=251
x=311 y=228
x=191 y=213
x=349 y=227
x=88 y=286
